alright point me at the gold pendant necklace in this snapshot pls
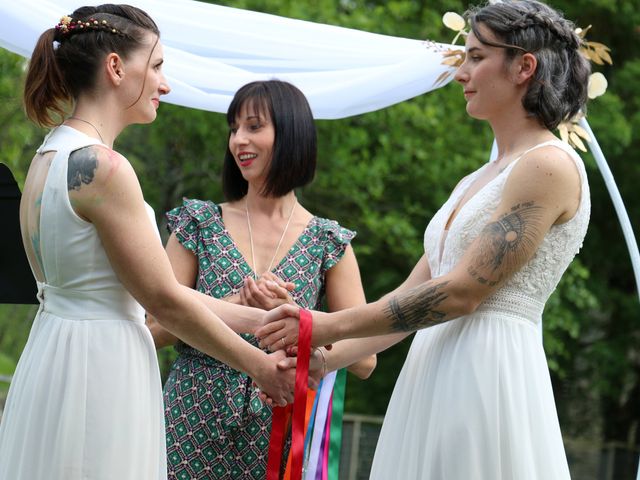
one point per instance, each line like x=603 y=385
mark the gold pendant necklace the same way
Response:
x=286 y=227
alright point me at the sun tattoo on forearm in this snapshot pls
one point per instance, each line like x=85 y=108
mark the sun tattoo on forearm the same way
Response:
x=82 y=168
x=417 y=308
x=506 y=244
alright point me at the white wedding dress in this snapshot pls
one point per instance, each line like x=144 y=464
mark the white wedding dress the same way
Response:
x=86 y=398
x=474 y=398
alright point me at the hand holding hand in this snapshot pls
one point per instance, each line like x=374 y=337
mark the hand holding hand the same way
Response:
x=317 y=365
x=279 y=328
x=276 y=384
x=267 y=292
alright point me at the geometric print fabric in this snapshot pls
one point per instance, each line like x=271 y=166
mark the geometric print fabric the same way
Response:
x=216 y=425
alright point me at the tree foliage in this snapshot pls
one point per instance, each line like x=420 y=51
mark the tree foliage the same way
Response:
x=386 y=173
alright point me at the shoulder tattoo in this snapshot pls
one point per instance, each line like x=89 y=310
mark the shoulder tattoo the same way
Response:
x=82 y=168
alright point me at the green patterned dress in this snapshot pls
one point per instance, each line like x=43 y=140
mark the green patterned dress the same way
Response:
x=217 y=426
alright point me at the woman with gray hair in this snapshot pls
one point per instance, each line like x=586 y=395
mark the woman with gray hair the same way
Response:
x=474 y=398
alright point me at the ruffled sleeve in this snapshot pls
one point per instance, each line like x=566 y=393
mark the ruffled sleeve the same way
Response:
x=190 y=220
x=336 y=240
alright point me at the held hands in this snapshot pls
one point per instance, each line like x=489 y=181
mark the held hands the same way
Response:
x=276 y=384
x=317 y=365
x=279 y=328
x=267 y=292
x=287 y=365
x=280 y=333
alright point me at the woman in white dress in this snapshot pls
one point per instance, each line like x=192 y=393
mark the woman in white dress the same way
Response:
x=474 y=398
x=86 y=401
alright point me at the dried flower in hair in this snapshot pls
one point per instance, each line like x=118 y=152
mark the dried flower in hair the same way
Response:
x=573 y=134
x=596 y=52
x=453 y=21
x=63 y=25
x=597 y=85
x=452 y=58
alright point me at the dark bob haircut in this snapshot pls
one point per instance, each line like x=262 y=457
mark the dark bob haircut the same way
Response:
x=293 y=162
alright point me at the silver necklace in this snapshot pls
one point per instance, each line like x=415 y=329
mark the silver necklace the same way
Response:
x=88 y=123
x=286 y=227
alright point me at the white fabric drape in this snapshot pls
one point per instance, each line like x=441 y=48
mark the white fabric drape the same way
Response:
x=211 y=51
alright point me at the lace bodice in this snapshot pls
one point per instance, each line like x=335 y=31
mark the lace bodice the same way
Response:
x=535 y=282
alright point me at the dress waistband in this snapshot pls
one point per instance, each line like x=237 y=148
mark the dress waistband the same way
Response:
x=103 y=304
x=515 y=304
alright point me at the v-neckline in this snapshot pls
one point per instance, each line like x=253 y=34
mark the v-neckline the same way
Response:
x=450 y=221
x=444 y=234
x=458 y=208
x=244 y=259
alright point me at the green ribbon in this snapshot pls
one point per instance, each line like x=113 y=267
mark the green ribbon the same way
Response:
x=335 y=437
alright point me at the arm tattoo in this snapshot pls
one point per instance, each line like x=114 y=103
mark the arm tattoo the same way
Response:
x=417 y=308
x=504 y=245
x=82 y=167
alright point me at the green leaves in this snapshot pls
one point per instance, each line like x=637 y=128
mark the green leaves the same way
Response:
x=18 y=138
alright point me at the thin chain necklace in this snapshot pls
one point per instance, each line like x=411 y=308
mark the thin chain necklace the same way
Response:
x=286 y=227
x=88 y=123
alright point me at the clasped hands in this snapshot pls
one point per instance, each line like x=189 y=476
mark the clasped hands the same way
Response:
x=268 y=292
x=279 y=333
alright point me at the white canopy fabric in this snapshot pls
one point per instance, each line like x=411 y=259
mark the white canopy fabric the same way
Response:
x=211 y=51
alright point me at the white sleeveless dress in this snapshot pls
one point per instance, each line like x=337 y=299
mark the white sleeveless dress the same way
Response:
x=474 y=398
x=86 y=398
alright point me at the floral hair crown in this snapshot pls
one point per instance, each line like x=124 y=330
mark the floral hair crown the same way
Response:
x=68 y=26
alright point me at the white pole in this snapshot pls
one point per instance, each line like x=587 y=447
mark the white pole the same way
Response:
x=625 y=223
x=623 y=217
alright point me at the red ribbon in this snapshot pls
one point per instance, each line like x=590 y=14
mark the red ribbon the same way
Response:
x=279 y=419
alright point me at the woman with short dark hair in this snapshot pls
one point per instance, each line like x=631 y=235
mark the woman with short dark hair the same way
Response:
x=293 y=162
x=261 y=248
x=474 y=398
